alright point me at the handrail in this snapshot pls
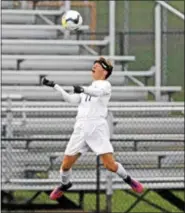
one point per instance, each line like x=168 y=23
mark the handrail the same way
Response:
x=171 y=9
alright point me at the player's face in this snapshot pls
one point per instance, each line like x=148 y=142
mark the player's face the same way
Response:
x=98 y=73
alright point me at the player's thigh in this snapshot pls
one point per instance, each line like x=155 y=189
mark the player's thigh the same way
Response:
x=68 y=161
x=76 y=143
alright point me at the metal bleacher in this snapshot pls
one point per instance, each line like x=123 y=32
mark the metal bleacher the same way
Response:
x=122 y=125
x=51 y=48
x=156 y=144
x=148 y=136
x=38 y=45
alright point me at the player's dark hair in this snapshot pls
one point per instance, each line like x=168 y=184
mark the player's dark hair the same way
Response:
x=106 y=64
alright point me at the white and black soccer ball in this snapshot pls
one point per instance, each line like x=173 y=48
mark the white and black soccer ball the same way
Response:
x=72 y=20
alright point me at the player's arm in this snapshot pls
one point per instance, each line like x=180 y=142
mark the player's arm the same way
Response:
x=71 y=98
x=102 y=90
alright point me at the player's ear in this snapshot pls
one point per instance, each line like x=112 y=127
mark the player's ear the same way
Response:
x=105 y=73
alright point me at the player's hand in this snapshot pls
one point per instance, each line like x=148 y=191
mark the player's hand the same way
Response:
x=78 y=89
x=47 y=82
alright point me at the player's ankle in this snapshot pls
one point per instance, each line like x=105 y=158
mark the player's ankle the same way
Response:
x=65 y=186
x=128 y=179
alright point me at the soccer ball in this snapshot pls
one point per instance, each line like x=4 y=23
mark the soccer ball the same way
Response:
x=71 y=20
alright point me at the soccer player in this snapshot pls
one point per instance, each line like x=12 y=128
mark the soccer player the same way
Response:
x=91 y=127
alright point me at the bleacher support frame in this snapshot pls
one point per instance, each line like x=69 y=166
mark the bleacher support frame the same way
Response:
x=163 y=192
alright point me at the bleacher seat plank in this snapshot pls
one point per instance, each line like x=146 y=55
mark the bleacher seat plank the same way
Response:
x=148 y=125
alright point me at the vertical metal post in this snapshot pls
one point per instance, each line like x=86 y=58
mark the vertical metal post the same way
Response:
x=109 y=192
x=110 y=121
x=97 y=184
x=126 y=29
x=112 y=28
x=24 y=5
x=67 y=7
x=158 y=51
x=9 y=134
x=164 y=46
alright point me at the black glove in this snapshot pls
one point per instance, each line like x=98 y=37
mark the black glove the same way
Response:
x=47 y=82
x=78 y=89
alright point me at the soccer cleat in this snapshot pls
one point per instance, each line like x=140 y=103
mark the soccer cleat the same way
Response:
x=59 y=191
x=136 y=186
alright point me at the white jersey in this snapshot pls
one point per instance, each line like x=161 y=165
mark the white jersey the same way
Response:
x=94 y=101
x=92 y=106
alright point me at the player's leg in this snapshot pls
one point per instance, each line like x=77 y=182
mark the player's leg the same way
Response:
x=99 y=142
x=75 y=146
x=66 y=167
x=113 y=166
x=65 y=175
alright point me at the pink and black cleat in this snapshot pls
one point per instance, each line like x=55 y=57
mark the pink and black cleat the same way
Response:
x=59 y=191
x=136 y=186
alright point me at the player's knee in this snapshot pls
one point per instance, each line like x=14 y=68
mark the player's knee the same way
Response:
x=111 y=167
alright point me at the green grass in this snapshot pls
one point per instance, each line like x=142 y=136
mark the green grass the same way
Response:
x=121 y=201
x=179 y=194
x=25 y=195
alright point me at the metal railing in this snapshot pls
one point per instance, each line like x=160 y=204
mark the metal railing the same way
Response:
x=158 y=46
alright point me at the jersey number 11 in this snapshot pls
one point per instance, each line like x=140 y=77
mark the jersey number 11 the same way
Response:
x=88 y=98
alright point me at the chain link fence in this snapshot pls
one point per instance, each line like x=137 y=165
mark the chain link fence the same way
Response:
x=149 y=144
